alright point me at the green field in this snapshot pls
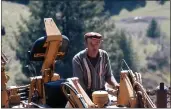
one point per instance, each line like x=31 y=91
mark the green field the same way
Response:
x=143 y=46
x=151 y=9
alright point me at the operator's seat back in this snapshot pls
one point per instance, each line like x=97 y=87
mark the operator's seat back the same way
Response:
x=38 y=50
x=55 y=98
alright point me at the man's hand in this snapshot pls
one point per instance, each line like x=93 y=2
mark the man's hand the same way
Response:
x=112 y=91
x=113 y=83
x=116 y=86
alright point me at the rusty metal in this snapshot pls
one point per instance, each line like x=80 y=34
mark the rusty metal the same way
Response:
x=161 y=96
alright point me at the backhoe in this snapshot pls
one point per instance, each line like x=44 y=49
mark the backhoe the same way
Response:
x=49 y=90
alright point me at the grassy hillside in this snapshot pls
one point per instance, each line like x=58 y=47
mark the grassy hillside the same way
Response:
x=143 y=46
x=151 y=9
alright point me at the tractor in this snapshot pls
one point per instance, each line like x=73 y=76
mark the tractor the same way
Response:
x=49 y=90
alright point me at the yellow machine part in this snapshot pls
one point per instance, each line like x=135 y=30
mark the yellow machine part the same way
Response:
x=4 y=95
x=4 y=99
x=37 y=83
x=74 y=81
x=53 y=42
x=127 y=96
x=55 y=77
x=13 y=96
x=14 y=99
x=100 y=98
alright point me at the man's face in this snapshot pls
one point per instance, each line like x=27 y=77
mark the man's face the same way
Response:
x=94 y=43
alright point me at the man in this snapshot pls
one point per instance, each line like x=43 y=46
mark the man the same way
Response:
x=92 y=65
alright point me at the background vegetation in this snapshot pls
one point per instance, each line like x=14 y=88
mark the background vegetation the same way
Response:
x=124 y=25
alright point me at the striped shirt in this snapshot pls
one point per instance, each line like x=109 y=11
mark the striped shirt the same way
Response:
x=98 y=77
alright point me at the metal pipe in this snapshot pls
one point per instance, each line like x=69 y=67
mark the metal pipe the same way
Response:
x=161 y=96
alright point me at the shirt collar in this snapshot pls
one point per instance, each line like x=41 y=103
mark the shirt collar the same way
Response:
x=100 y=53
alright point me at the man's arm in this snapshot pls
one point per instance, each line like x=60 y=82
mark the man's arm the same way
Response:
x=78 y=72
x=110 y=79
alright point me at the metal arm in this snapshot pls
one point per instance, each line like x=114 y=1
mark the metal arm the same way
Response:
x=53 y=42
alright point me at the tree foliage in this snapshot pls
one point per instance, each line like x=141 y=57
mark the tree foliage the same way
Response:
x=129 y=55
x=119 y=47
x=73 y=18
x=115 y=6
x=153 y=30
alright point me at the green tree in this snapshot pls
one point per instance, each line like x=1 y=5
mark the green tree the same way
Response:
x=119 y=47
x=110 y=44
x=129 y=54
x=73 y=18
x=162 y=2
x=153 y=30
x=79 y=18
